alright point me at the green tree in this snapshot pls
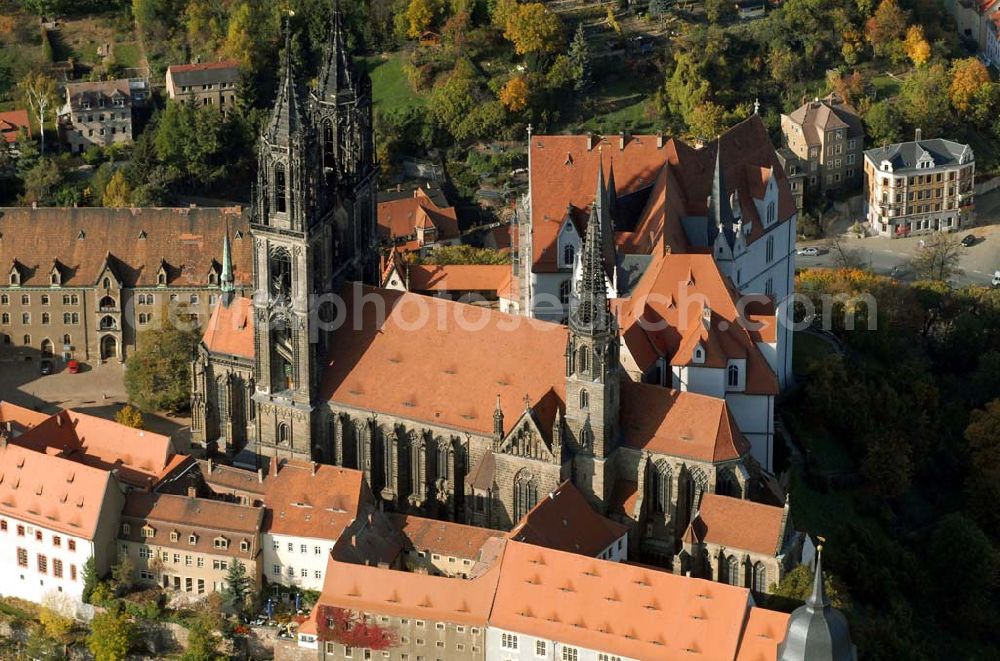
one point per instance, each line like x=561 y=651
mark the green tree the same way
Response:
x=924 y=99
x=39 y=92
x=90 y=579
x=41 y=647
x=579 y=57
x=982 y=487
x=963 y=564
x=158 y=373
x=885 y=29
x=452 y=99
x=888 y=464
x=122 y=575
x=797 y=584
x=237 y=591
x=111 y=635
x=117 y=193
x=707 y=120
x=42 y=182
x=882 y=123
x=938 y=258
x=718 y=11
x=657 y=8
x=202 y=643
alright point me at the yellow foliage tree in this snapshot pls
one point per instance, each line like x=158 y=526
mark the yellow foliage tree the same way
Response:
x=420 y=15
x=613 y=23
x=534 y=28
x=917 y=48
x=129 y=416
x=967 y=76
x=514 y=95
x=239 y=43
x=117 y=193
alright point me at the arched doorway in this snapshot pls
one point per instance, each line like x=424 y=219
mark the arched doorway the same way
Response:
x=109 y=347
x=46 y=348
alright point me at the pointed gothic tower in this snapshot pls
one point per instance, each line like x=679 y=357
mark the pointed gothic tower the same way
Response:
x=340 y=108
x=592 y=390
x=720 y=214
x=226 y=286
x=293 y=259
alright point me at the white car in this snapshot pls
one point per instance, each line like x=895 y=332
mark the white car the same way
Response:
x=996 y=278
x=808 y=252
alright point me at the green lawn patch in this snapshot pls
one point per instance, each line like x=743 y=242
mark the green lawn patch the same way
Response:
x=390 y=88
x=886 y=86
x=128 y=54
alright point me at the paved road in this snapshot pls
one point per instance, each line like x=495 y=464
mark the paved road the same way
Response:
x=978 y=262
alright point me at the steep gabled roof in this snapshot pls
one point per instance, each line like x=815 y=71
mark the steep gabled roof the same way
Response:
x=205 y=73
x=736 y=523
x=230 y=328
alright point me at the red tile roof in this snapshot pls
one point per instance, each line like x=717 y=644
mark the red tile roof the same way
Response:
x=80 y=240
x=230 y=329
x=682 y=424
x=616 y=608
x=739 y=524
x=400 y=218
x=19 y=418
x=664 y=316
x=457 y=277
x=564 y=520
x=443 y=371
x=51 y=491
x=304 y=499
x=444 y=537
x=763 y=633
x=143 y=458
x=11 y=122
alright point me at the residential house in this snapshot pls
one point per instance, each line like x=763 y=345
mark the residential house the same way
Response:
x=55 y=515
x=416 y=220
x=11 y=123
x=919 y=187
x=443 y=548
x=742 y=543
x=828 y=136
x=796 y=171
x=205 y=83
x=97 y=113
x=186 y=544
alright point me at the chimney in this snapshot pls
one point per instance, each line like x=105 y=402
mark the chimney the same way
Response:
x=659 y=139
x=590 y=141
x=274 y=466
x=917 y=135
x=313 y=465
x=211 y=466
x=622 y=139
x=260 y=475
x=192 y=491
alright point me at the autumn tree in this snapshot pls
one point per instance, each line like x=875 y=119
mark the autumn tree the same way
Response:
x=158 y=372
x=917 y=48
x=39 y=93
x=885 y=29
x=421 y=15
x=534 y=28
x=239 y=43
x=514 y=94
x=117 y=193
x=938 y=258
x=968 y=76
x=850 y=87
x=797 y=584
x=129 y=416
x=707 y=120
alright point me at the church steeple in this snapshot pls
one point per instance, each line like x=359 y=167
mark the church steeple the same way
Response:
x=335 y=74
x=591 y=312
x=720 y=213
x=226 y=280
x=286 y=118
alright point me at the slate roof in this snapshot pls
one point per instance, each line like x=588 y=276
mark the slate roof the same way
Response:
x=826 y=114
x=95 y=91
x=187 y=241
x=205 y=73
x=904 y=156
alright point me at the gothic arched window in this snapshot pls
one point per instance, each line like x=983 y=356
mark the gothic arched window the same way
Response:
x=279 y=188
x=661 y=486
x=564 y=288
x=726 y=484
x=282 y=433
x=569 y=255
x=584 y=399
x=444 y=466
x=525 y=495
x=280 y=264
x=329 y=145
x=733 y=376
x=759 y=578
x=696 y=484
x=583 y=359
x=732 y=570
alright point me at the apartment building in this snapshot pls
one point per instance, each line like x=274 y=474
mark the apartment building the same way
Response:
x=207 y=84
x=96 y=113
x=919 y=187
x=55 y=515
x=827 y=135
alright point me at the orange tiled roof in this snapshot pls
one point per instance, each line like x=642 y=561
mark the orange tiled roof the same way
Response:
x=682 y=424
x=564 y=520
x=304 y=499
x=135 y=242
x=675 y=289
x=186 y=515
x=19 y=418
x=458 y=277
x=564 y=172
x=142 y=458
x=764 y=632
x=230 y=328
x=11 y=122
x=400 y=218
x=371 y=589
x=444 y=537
x=739 y=524
x=617 y=608
x=51 y=491
x=446 y=373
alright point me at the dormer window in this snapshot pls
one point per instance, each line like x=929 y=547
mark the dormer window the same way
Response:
x=174 y=536
x=125 y=529
x=161 y=277
x=147 y=532
x=192 y=539
x=733 y=376
x=15 y=277
x=244 y=546
x=221 y=543
x=699 y=354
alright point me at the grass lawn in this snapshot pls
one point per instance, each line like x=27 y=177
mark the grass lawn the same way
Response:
x=886 y=86
x=390 y=88
x=807 y=349
x=128 y=54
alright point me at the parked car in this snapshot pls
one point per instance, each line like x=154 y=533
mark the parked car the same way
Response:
x=969 y=240
x=996 y=278
x=73 y=367
x=46 y=367
x=811 y=251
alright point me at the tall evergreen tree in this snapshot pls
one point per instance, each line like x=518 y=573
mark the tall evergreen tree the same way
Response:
x=237 y=589
x=579 y=55
x=658 y=7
